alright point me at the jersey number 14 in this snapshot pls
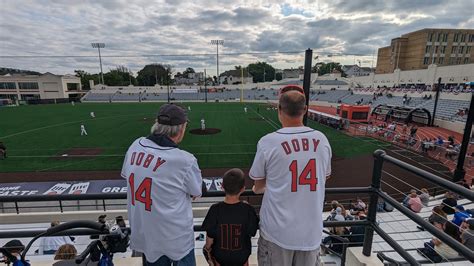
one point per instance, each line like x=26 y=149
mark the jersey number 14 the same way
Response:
x=143 y=192
x=307 y=177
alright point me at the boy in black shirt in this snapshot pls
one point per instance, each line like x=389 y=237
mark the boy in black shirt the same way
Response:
x=230 y=225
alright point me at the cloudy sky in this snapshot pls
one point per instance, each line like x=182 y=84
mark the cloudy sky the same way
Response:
x=178 y=32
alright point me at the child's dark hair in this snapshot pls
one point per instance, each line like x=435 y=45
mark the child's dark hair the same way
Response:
x=233 y=181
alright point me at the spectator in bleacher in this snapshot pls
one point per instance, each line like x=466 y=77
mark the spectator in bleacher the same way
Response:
x=14 y=248
x=424 y=197
x=413 y=131
x=357 y=231
x=288 y=205
x=449 y=203
x=414 y=202
x=451 y=140
x=460 y=215
x=436 y=250
x=358 y=206
x=49 y=245
x=467 y=233
x=437 y=218
x=66 y=252
x=230 y=217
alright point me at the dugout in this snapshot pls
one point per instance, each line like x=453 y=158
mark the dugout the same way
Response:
x=356 y=113
x=402 y=114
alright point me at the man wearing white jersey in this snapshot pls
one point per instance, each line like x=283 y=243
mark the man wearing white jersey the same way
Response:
x=162 y=179
x=83 y=130
x=291 y=166
x=203 y=124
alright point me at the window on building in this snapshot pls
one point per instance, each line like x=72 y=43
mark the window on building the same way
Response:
x=454 y=49
x=428 y=49
x=443 y=49
x=461 y=49
x=466 y=60
x=72 y=86
x=463 y=37
x=28 y=85
x=456 y=37
x=468 y=49
x=445 y=37
x=426 y=61
x=436 y=49
x=471 y=38
x=7 y=86
x=458 y=60
x=430 y=37
x=441 y=60
x=452 y=60
x=438 y=36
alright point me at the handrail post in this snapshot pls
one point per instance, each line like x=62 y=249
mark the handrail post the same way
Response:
x=371 y=216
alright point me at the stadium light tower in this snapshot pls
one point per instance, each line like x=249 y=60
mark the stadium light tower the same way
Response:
x=217 y=43
x=99 y=45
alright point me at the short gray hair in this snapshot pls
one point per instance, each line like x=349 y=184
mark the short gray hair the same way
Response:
x=170 y=131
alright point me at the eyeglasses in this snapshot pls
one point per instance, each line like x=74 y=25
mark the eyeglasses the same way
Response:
x=291 y=88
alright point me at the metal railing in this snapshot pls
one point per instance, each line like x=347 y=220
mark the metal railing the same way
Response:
x=370 y=223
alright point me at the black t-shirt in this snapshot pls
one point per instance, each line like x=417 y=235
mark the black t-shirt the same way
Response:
x=231 y=226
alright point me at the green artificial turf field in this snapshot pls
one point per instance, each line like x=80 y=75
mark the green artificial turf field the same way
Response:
x=37 y=135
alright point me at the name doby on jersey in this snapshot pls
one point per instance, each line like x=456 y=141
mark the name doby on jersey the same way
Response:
x=146 y=160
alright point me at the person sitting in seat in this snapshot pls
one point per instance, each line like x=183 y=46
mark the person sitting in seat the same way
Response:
x=467 y=233
x=436 y=251
x=13 y=250
x=460 y=215
x=449 y=203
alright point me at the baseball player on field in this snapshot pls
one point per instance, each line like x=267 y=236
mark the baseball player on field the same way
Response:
x=203 y=124
x=83 y=130
x=245 y=109
x=291 y=166
x=92 y=114
x=162 y=180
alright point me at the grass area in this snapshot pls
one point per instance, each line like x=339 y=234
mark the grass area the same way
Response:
x=35 y=134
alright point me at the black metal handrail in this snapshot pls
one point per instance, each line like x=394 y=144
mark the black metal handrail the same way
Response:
x=370 y=223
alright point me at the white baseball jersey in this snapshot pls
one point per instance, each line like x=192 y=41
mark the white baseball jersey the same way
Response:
x=295 y=162
x=203 y=124
x=161 y=181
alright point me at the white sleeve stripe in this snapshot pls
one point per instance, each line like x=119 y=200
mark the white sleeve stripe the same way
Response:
x=256 y=178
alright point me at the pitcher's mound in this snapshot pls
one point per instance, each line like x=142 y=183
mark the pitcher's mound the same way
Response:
x=207 y=131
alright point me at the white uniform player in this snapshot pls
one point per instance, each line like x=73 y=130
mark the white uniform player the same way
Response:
x=291 y=166
x=73 y=103
x=203 y=124
x=189 y=108
x=245 y=109
x=92 y=114
x=83 y=130
x=162 y=179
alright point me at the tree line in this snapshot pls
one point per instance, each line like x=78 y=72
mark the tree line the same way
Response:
x=161 y=74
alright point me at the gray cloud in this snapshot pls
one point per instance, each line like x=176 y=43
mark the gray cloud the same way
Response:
x=61 y=27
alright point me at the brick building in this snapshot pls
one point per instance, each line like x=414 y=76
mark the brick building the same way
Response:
x=418 y=49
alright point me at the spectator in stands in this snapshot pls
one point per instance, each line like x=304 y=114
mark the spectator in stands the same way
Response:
x=407 y=198
x=357 y=232
x=66 y=252
x=230 y=217
x=451 y=140
x=49 y=245
x=425 y=197
x=460 y=215
x=449 y=203
x=14 y=248
x=359 y=205
x=284 y=236
x=436 y=250
x=414 y=202
x=467 y=233
x=413 y=131
x=437 y=218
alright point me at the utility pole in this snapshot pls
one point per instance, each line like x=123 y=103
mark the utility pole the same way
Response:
x=307 y=80
x=99 y=45
x=205 y=85
x=217 y=43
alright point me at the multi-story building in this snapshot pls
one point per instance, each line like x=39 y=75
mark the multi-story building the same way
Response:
x=235 y=77
x=44 y=86
x=417 y=50
x=190 y=79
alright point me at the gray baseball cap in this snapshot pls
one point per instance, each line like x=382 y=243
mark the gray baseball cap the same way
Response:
x=172 y=115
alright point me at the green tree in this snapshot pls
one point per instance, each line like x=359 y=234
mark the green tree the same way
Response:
x=121 y=76
x=154 y=74
x=261 y=71
x=85 y=77
x=325 y=68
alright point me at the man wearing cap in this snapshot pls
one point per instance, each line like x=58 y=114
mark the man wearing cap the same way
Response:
x=13 y=249
x=162 y=180
x=467 y=235
x=291 y=166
